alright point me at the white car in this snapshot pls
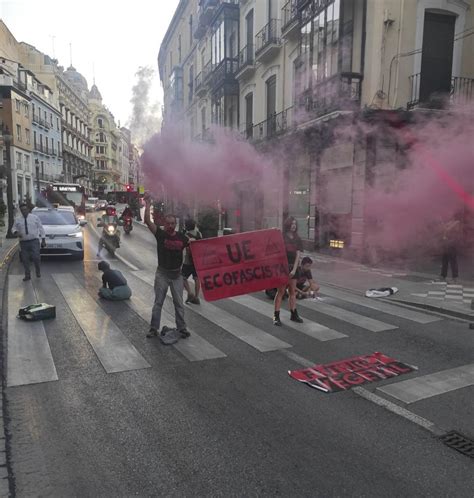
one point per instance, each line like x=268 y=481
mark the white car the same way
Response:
x=91 y=203
x=64 y=236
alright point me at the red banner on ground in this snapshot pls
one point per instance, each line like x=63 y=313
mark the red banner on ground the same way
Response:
x=345 y=374
x=239 y=264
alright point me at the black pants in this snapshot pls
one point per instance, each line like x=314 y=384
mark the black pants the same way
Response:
x=449 y=257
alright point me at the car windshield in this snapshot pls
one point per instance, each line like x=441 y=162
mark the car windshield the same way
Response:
x=56 y=217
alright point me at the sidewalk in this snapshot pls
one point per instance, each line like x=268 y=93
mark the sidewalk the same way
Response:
x=8 y=249
x=415 y=288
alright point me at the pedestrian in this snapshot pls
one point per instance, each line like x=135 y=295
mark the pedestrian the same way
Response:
x=192 y=233
x=305 y=285
x=30 y=230
x=170 y=245
x=450 y=239
x=114 y=284
x=294 y=247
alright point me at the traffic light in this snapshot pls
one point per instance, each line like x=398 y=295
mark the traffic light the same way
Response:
x=129 y=188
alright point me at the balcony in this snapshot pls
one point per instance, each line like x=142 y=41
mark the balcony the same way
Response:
x=290 y=19
x=246 y=62
x=338 y=93
x=41 y=122
x=224 y=73
x=274 y=126
x=201 y=81
x=460 y=93
x=267 y=41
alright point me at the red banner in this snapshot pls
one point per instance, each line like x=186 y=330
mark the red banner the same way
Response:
x=239 y=264
x=345 y=374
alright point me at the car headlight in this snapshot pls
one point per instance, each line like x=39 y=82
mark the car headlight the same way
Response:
x=81 y=217
x=75 y=234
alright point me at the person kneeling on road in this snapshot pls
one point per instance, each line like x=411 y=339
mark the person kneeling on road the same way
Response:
x=305 y=285
x=114 y=284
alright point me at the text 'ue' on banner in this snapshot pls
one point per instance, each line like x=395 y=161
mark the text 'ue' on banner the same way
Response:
x=240 y=264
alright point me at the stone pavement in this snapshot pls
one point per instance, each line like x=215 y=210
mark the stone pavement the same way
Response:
x=8 y=248
x=414 y=288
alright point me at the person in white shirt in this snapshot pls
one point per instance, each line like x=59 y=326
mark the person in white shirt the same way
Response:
x=29 y=229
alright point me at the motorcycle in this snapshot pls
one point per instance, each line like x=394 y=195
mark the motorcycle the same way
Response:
x=127 y=224
x=110 y=237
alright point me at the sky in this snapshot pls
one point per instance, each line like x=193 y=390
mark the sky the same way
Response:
x=109 y=39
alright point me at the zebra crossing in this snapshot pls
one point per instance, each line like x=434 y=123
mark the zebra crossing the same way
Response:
x=30 y=360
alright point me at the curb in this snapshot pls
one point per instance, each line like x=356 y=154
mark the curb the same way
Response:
x=7 y=481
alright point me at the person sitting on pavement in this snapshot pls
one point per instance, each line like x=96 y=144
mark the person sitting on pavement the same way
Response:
x=114 y=284
x=305 y=285
x=192 y=233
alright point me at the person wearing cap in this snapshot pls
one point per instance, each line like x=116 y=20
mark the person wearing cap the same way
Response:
x=30 y=230
x=114 y=284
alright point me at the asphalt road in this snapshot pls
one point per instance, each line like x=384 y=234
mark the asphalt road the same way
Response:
x=232 y=426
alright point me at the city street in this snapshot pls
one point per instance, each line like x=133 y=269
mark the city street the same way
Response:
x=103 y=411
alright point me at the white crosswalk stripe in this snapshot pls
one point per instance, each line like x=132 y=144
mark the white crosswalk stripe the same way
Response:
x=348 y=316
x=112 y=348
x=194 y=348
x=427 y=386
x=29 y=355
x=244 y=331
x=386 y=308
x=312 y=329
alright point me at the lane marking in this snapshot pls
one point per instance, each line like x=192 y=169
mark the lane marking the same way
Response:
x=348 y=316
x=389 y=309
x=114 y=351
x=398 y=410
x=427 y=386
x=309 y=328
x=29 y=356
x=194 y=348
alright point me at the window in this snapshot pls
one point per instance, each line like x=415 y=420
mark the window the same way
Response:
x=27 y=136
x=51 y=118
x=17 y=105
x=179 y=49
x=18 y=132
x=57 y=123
x=191 y=83
x=437 y=55
x=59 y=148
x=203 y=121
x=27 y=109
x=19 y=156
x=34 y=139
x=100 y=122
x=26 y=162
x=191 y=31
x=52 y=146
x=249 y=115
x=271 y=105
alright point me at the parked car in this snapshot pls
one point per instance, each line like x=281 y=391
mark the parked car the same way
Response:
x=64 y=235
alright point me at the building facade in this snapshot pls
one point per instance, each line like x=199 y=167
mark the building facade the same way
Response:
x=45 y=133
x=16 y=121
x=289 y=75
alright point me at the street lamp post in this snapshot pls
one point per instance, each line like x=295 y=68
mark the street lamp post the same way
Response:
x=7 y=138
x=37 y=177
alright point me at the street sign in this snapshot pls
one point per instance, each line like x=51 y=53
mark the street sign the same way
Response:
x=239 y=264
x=141 y=189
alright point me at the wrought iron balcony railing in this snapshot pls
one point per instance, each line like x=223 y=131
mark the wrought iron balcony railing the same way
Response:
x=290 y=15
x=274 y=125
x=246 y=57
x=224 y=72
x=269 y=35
x=338 y=93
x=461 y=92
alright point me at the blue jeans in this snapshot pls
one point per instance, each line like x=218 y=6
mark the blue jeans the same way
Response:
x=162 y=283
x=30 y=250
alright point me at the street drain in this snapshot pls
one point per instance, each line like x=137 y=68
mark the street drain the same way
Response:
x=459 y=443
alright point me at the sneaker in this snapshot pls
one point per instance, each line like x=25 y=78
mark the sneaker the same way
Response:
x=27 y=277
x=152 y=333
x=196 y=300
x=184 y=333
